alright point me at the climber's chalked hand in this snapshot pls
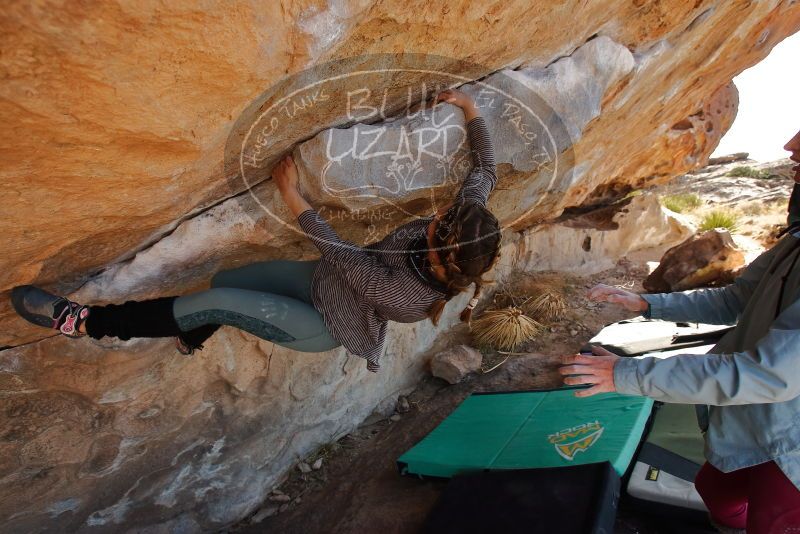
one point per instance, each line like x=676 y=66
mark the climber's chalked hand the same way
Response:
x=453 y=96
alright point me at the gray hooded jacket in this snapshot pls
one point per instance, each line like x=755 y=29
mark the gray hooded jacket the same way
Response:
x=751 y=378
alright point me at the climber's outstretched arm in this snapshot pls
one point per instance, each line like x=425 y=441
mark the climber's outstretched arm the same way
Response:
x=482 y=179
x=285 y=176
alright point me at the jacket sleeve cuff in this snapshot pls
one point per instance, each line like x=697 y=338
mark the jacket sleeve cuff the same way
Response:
x=308 y=220
x=655 y=308
x=317 y=228
x=626 y=377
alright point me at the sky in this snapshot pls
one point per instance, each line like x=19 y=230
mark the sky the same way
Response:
x=769 y=105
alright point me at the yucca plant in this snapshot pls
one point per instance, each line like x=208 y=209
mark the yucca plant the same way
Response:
x=504 y=329
x=720 y=219
x=547 y=307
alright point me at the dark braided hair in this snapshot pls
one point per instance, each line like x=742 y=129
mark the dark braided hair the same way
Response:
x=467 y=240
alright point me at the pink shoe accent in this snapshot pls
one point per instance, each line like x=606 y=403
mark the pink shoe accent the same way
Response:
x=182 y=347
x=73 y=320
x=58 y=319
x=68 y=328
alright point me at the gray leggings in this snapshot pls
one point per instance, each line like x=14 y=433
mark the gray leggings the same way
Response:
x=269 y=299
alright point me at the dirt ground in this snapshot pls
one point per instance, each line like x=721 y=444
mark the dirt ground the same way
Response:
x=357 y=487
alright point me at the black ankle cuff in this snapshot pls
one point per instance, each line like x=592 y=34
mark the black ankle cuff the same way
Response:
x=146 y=318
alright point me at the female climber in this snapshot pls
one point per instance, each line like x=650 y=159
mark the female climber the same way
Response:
x=750 y=381
x=344 y=298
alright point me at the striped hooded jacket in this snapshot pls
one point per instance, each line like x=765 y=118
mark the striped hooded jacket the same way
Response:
x=359 y=289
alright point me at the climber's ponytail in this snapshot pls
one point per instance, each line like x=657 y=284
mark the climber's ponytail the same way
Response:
x=472 y=234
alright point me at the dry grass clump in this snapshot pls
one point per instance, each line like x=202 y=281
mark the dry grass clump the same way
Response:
x=505 y=298
x=545 y=297
x=547 y=307
x=504 y=329
x=753 y=209
x=758 y=207
x=517 y=313
x=681 y=203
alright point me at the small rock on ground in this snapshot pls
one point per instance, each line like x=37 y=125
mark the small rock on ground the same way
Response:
x=456 y=363
x=304 y=467
x=267 y=511
x=403 y=405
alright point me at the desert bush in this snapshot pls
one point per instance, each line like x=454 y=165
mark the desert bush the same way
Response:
x=720 y=219
x=749 y=172
x=681 y=203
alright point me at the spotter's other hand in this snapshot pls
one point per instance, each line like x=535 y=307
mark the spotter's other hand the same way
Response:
x=596 y=370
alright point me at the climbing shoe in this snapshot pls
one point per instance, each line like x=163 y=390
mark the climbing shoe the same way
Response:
x=45 y=309
x=192 y=340
x=184 y=348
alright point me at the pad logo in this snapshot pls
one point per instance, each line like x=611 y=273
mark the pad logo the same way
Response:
x=573 y=440
x=652 y=473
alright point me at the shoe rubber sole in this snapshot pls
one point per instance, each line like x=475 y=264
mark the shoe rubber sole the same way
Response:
x=32 y=303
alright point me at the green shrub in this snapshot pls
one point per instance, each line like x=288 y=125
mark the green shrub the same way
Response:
x=749 y=172
x=681 y=203
x=720 y=219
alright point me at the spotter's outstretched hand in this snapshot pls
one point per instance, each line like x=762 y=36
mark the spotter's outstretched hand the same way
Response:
x=597 y=370
x=626 y=299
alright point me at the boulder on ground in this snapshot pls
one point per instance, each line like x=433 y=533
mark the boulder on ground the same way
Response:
x=730 y=158
x=703 y=259
x=455 y=363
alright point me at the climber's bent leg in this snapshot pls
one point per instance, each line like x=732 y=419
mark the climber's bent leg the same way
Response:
x=285 y=321
x=288 y=278
x=280 y=277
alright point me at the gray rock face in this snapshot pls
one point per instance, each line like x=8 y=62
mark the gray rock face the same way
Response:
x=454 y=364
x=370 y=176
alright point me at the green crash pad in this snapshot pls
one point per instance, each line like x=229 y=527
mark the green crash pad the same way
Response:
x=530 y=429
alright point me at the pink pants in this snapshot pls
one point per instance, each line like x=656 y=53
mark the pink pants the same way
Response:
x=759 y=498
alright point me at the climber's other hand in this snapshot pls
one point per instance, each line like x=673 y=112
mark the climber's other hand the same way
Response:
x=453 y=96
x=286 y=180
x=285 y=174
